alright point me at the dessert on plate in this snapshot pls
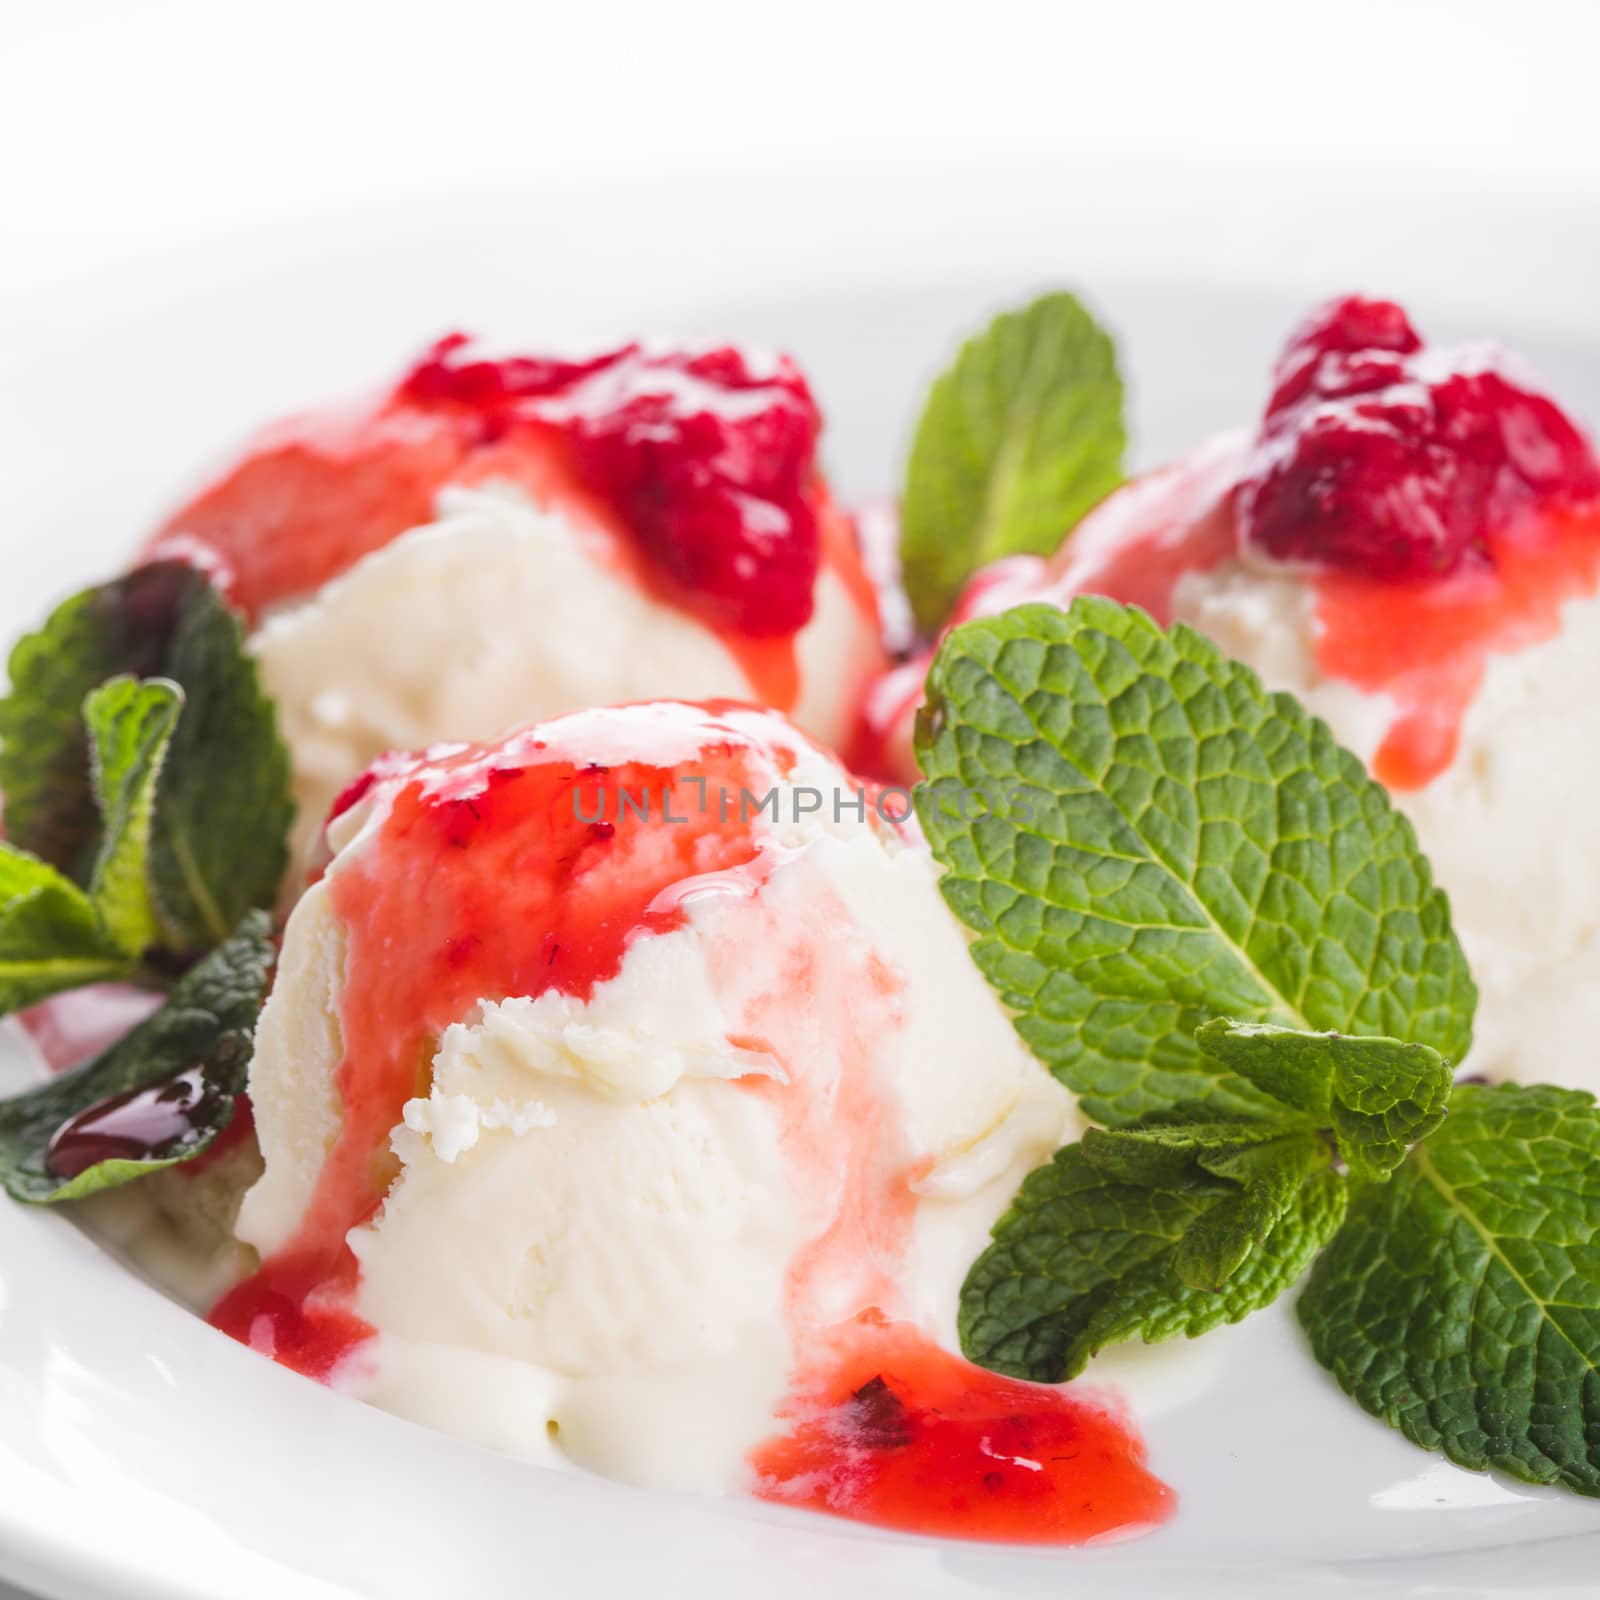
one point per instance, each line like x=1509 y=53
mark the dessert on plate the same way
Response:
x=489 y=542
x=470 y=973
x=1409 y=542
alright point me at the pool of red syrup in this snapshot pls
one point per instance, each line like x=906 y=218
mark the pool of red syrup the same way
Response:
x=890 y=1429
x=510 y=869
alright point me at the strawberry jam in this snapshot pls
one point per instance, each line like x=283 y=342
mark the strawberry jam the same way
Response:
x=1378 y=455
x=893 y=1430
x=490 y=860
x=701 y=461
x=1439 y=507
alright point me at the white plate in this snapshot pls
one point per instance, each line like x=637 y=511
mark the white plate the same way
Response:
x=143 y=1455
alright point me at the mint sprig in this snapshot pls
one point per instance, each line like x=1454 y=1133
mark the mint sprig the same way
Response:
x=1141 y=838
x=214 y=836
x=1461 y=1301
x=54 y=935
x=1188 y=1220
x=1214 y=926
x=204 y=1029
x=1019 y=437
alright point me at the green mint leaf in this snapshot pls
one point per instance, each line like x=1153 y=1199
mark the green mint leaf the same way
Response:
x=51 y=937
x=1378 y=1095
x=204 y=1031
x=1141 y=839
x=1158 y=1151
x=220 y=843
x=1461 y=1300
x=218 y=834
x=1084 y=1259
x=1270 y=1177
x=1019 y=438
x=114 y=628
x=130 y=725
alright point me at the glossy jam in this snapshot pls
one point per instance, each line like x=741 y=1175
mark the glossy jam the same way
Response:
x=691 y=473
x=1383 y=457
x=141 y=1125
x=514 y=869
x=893 y=1430
x=1423 y=642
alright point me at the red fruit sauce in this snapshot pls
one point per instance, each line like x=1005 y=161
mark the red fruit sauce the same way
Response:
x=514 y=869
x=1380 y=456
x=1440 y=511
x=894 y=1430
x=491 y=860
x=139 y=1125
x=692 y=472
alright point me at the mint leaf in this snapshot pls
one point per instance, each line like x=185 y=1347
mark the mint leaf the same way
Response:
x=130 y=727
x=1270 y=1177
x=1086 y=1258
x=218 y=833
x=1378 y=1095
x=51 y=937
x=1461 y=1301
x=114 y=628
x=197 y=1047
x=1141 y=839
x=219 y=847
x=1019 y=437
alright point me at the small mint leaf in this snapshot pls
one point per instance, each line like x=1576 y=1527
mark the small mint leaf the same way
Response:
x=1141 y=839
x=111 y=629
x=130 y=726
x=220 y=842
x=203 y=1031
x=51 y=938
x=1084 y=1259
x=1270 y=1177
x=1461 y=1301
x=1378 y=1095
x=1019 y=437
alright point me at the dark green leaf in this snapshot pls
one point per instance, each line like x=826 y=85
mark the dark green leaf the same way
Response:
x=1461 y=1301
x=204 y=1029
x=1378 y=1095
x=1085 y=1259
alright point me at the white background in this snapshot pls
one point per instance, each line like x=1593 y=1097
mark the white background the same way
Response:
x=144 y=126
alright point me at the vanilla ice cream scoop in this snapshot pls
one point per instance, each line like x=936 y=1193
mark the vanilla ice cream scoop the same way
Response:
x=491 y=542
x=1409 y=544
x=618 y=1075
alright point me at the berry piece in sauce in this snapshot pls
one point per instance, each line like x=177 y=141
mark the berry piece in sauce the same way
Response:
x=703 y=460
x=1381 y=455
x=707 y=455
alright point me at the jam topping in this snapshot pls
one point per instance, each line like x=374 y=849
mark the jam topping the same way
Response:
x=696 y=466
x=895 y=1431
x=150 y=1124
x=1381 y=456
x=707 y=455
x=490 y=861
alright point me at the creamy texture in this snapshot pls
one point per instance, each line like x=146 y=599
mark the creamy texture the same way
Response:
x=624 y=1216
x=1510 y=825
x=502 y=612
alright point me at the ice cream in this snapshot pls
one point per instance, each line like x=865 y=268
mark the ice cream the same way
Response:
x=625 y=1082
x=1410 y=543
x=491 y=542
